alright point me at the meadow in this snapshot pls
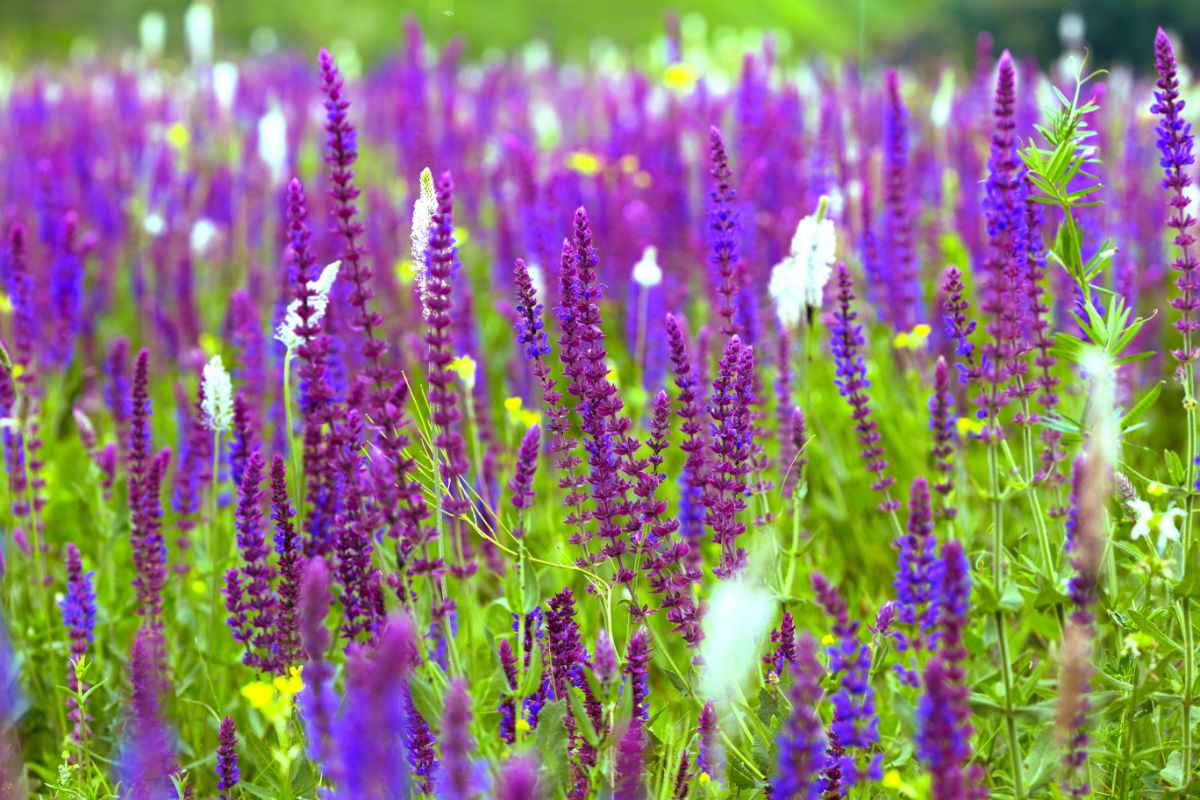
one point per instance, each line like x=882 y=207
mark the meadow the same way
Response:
x=695 y=425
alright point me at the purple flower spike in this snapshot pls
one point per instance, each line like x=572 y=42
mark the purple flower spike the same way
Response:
x=458 y=778
x=802 y=744
x=521 y=484
x=943 y=427
x=79 y=617
x=1175 y=142
x=630 y=782
x=852 y=384
x=914 y=581
x=855 y=725
x=690 y=411
x=227 y=759
x=731 y=410
x=944 y=727
x=519 y=780
x=148 y=762
x=255 y=614
x=708 y=754
x=637 y=668
x=724 y=228
x=898 y=201
x=291 y=571
x=317 y=701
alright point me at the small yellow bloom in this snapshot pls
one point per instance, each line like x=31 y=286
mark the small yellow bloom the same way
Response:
x=967 y=425
x=18 y=370
x=529 y=418
x=513 y=406
x=178 y=137
x=583 y=162
x=1156 y=489
x=199 y=587
x=892 y=780
x=680 y=77
x=914 y=339
x=461 y=235
x=704 y=778
x=828 y=639
x=522 y=725
x=259 y=694
x=406 y=271
x=6 y=305
x=210 y=344
x=289 y=686
x=464 y=368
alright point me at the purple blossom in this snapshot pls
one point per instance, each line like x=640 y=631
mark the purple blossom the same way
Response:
x=1175 y=142
x=255 y=614
x=630 y=782
x=802 y=744
x=905 y=298
x=227 y=760
x=147 y=761
x=943 y=427
x=691 y=425
x=317 y=701
x=286 y=644
x=730 y=411
x=855 y=725
x=521 y=483
x=915 y=580
x=852 y=384
x=458 y=778
x=724 y=227
x=519 y=780
x=79 y=618
x=637 y=669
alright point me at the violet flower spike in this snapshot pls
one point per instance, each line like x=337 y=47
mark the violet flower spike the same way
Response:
x=802 y=742
x=227 y=760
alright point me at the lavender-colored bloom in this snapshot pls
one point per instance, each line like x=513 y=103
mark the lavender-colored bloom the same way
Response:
x=944 y=727
x=286 y=644
x=959 y=327
x=724 y=228
x=1004 y=289
x=443 y=396
x=802 y=744
x=691 y=426
x=1175 y=142
x=79 y=618
x=943 y=427
x=244 y=441
x=419 y=745
x=147 y=760
x=604 y=662
x=256 y=613
x=458 y=778
x=519 y=780
x=630 y=782
x=915 y=580
x=730 y=411
x=531 y=328
x=369 y=734
x=227 y=760
x=508 y=700
x=149 y=549
x=521 y=484
x=905 y=298
x=852 y=384
x=784 y=639
x=708 y=754
x=118 y=395
x=317 y=701
x=341 y=152
x=637 y=669
x=855 y=725
x=66 y=287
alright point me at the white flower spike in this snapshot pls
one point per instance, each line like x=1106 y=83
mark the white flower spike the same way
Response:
x=798 y=282
x=323 y=285
x=217 y=404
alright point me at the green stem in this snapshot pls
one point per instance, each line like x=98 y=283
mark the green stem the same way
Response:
x=213 y=561
x=297 y=474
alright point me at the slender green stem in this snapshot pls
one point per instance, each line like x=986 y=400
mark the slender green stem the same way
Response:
x=1189 y=508
x=213 y=560
x=293 y=451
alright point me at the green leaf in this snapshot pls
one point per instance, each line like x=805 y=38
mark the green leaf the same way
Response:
x=1153 y=631
x=582 y=720
x=1174 y=466
x=550 y=741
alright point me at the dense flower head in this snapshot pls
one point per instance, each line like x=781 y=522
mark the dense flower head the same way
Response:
x=227 y=760
x=852 y=383
x=724 y=230
x=1175 y=143
x=802 y=745
x=915 y=580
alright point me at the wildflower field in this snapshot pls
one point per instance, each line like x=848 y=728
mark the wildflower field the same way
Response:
x=671 y=426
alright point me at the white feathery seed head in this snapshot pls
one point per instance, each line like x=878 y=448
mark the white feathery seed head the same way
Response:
x=739 y=617
x=422 y=224
x=798 y=281
x=322 y=285
x=647 y=272
x=217 y=404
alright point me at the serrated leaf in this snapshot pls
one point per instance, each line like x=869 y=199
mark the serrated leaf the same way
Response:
x=1153 y=631
x=1174 y=466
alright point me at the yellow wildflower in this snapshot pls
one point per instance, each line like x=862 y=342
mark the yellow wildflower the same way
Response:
x=914 y=339
x=1155 y=489
x=828 y=639
x=513 y=406
x=6 y=305
x=259 y=694
x=967 y=425
x=680 y=77
x=583 y=162
x=892 y=779
x=464 y=368
x=406 y=271
x=178 y=137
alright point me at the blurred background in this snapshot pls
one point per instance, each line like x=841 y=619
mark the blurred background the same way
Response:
x=912 y=31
